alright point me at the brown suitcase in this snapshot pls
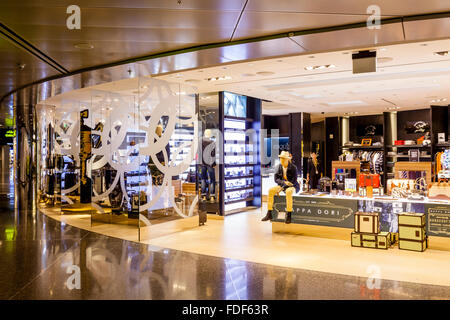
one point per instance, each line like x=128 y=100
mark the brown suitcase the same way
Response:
x=367 y=222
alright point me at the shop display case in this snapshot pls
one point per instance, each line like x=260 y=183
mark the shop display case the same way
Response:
x=241 y=169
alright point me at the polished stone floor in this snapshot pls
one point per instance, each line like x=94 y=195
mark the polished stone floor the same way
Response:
x=41 y=258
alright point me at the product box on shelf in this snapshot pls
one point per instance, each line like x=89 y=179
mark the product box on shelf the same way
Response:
x=381 y=240
x=367 y=222
x=369 y=180
x=350 y=184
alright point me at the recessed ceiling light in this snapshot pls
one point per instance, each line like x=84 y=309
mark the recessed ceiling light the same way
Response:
x=384 y=59
x=438 y=100
x=424 y=44
x=144 y=86
x=265 y=73
x=84 y=46
x=219 y=78
x=192 y=80
x=350 y=113
x=345 y=52
x=224 y=68
x=442 y=53
x=279 y=60
x=247 y=75
x=311 y=57
x=393 y=108
x=339 y=103
x=321 y=67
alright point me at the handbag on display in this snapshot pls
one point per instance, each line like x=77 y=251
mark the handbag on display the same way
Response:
x=403 y=184
x=439 y=190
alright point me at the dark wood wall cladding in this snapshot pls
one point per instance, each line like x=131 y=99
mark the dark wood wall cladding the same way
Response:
x=439 y=121
x=306 y=134
x=332 y=143
x=318 y=131
x=295 y=139
x=360 y=125
x=408 y=118
x=318 y=137
x=254 y=113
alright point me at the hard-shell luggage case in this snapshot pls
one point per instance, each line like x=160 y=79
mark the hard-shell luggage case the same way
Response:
x=383 y=240
x=367 y=222
x=376 y=241
x=412 y=233
x=411 y=219
x=413 y=245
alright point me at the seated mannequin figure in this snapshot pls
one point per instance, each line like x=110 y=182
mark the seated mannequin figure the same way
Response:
x=286 y=179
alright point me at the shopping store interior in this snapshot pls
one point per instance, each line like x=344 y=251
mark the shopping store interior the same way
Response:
x=239 y=149
x=318 y=105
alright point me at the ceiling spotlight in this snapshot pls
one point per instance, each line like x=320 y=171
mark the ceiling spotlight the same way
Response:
x=84 y=46
x=442 y=53
x=265 y=73
x=325 y=66
x=438 y=100
x=21 y=66
x=219 y=78
x=393 y=108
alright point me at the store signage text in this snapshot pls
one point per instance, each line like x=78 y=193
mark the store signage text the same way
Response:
x=10 y=134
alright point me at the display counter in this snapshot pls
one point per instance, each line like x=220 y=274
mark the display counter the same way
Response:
x=338 y=211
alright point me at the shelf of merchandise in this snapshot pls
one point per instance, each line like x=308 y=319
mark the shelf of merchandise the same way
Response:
x=179 y=137
x=412 y=146
x=407 y=156
x=239 y=160
x=238 y=177
x=238 y=165
x=362 y=147
x=238 y=200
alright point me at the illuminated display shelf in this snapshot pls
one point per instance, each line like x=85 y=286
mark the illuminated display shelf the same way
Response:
x=240 y=180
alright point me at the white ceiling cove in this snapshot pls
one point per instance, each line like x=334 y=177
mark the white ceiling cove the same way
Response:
x=409 y=76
